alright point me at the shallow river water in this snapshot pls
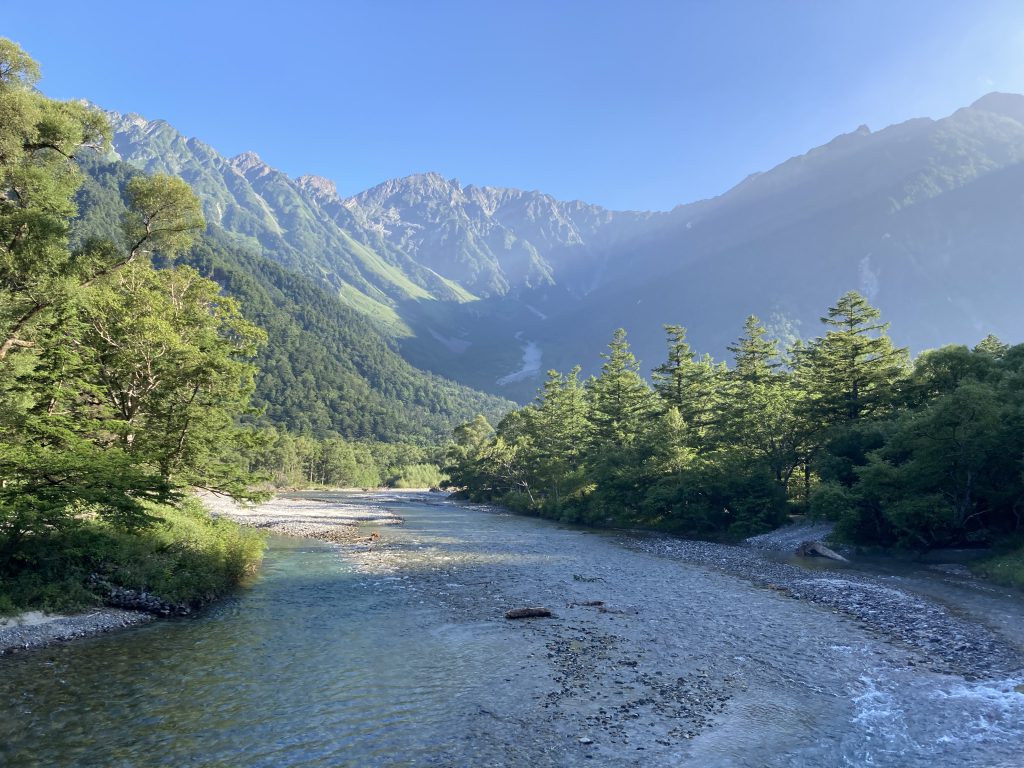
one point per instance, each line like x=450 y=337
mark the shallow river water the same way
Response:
x=396 y=653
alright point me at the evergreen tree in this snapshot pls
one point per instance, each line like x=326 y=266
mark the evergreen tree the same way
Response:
x=852 y=371
x=758 y=409
x=692 y=387
x=560 y=429
x=621 y=403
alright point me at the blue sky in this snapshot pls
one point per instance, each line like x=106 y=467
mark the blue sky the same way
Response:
x=639 y=105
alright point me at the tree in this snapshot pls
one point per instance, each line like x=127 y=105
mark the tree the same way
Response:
x=38 y=179
x=852 y=371
x=758 y=409
x=693 y=387
x=462 y=459
x=940 y=476
x=128 y=381
x=622 y=408
x=621 y=403
x=559 y=430
x=169 y=360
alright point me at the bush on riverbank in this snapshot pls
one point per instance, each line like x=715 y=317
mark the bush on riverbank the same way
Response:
x=185 y=558
x=1006 y=568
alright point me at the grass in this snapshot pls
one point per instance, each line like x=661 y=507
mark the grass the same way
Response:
x=1006 y=568
x=185 y=557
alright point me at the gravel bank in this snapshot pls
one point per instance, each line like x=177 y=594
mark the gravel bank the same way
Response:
x=35 y=630
x=949 y=643
x=315 y=516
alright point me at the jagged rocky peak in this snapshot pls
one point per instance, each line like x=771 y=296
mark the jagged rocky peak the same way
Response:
x=1006 y=104
x=430 y=187
x=248 y=162
x=132 y=119
x=318 y=186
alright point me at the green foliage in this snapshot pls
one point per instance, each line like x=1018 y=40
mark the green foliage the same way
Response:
x=164 y=214
x=297 y=461
x=851 y=372
x=38 y=179
x=1005 y=568
x=418 y=476
x=184 y=557
x=120 y=385
x=912 y=457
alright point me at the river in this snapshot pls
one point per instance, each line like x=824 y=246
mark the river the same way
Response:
x=396 y=653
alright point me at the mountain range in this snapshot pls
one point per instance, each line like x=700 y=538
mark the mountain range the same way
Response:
x=491 y=286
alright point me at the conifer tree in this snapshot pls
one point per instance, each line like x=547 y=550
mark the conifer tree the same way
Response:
x=692 y=387
x=621 y=403
x=559 y=429
x=757 y=411
x=852 y=371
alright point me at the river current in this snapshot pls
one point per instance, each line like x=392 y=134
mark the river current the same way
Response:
x=396 y=653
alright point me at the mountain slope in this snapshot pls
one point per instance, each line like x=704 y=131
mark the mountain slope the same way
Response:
x=421 y=238
x=326 y=368
x=491 y=240
x=926 y=218
x=493 y=286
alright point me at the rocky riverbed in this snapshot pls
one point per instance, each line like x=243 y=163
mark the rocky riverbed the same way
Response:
x=35 y=630
x=390 y=646
x=948 y=642
x=631 y=676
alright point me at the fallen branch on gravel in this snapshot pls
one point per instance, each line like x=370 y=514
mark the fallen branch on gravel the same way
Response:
x=817 y=549
x=528 y=613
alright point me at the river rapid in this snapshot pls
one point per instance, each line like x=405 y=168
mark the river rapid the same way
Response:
x=395 y=652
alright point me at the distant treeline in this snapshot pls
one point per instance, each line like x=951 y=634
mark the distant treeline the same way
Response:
x=293 y=461
x=916 y=454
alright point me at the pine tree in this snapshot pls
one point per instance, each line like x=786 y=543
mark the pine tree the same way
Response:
x=559 y=431
x=851 y=372
x=757 y=410
x=692 y=387
x=621 y=403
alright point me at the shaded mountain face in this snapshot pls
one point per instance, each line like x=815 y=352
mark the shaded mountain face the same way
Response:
x=494 y=286
x=925 y=218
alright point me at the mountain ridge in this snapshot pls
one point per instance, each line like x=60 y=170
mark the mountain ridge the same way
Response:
x=464 y=276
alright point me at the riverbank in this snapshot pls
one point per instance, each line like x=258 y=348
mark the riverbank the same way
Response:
x=316 y=515
x=950 y=640
x=94 y=577
x=35 y=629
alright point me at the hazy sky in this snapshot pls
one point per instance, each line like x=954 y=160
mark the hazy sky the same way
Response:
x=628 y=104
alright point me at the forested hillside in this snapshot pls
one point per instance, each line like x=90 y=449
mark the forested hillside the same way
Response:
x=326 y=369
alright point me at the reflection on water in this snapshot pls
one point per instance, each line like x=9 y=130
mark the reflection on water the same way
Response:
x=306 y=667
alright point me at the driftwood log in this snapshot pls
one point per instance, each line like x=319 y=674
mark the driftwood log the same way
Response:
x=817 y=549
x=528 y=613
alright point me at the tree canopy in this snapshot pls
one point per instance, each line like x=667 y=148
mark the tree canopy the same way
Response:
x=843 y=425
